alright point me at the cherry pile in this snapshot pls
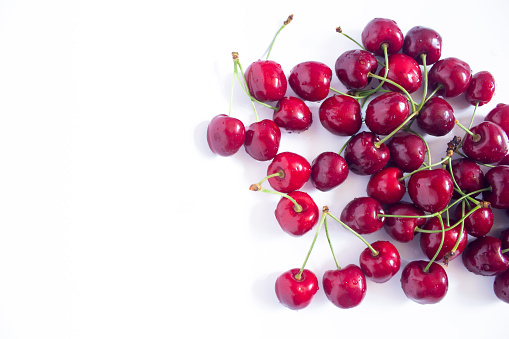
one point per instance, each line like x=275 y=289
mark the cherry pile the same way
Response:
x=450 y=202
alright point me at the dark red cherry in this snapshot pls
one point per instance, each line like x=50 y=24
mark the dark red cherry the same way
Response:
x=498 y=179
x=352 y=68
x=346 y=287
x=504 y=238
x=501 y=286
x=341 y=115
x=400 y=228
x=262 y=140
x=364 y=156
x=293 y=222
x=478 y=223
x=386 y=112
x=424 y=287
x=382 y=31
x=328 y=171
x=385 y=186
x=468 y=175
x=383 y=266
x=225 y=135
x=310 y=80
x=481 y=88
x=500 y=116
x=266 y=80
x=422 y=40
x=436 y=117
x=452 y=74
x=488 y=145
x=431 y=190
x=483 y=256
x=407 y=150
x=292 y=115
x=295 y=171
x=361 y=215
x=430 y=242
x=296 y=293
x=404 y=71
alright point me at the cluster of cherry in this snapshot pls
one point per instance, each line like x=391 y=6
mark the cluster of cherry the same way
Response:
x=450 y=200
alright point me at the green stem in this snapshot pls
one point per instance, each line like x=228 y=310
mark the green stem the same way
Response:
x=258 y=188
x=233 y=84
x=330 y=245
x=322 y=219
x=345 y=94
x=388 y=136
x=431 y=95
x=398 y=86
x=473 y=115
x=287 y=21
x=280 y=174
x=424 y=167
x=344 y=145
x=425 y=81
x=475 y=137
x=339 y=30
x=373 y=251
x=504 y=251
x=426 y=269
x=428 y=150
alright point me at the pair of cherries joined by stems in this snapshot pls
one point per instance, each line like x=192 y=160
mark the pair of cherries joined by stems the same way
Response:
x=445 y=207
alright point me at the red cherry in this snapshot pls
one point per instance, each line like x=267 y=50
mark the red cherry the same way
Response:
x=292 y=115
x=346 y=287
x=424 y=287
x=478 y=223
x=341 y=115
x=364 y=156
x=295 y=171
x=488 y=145
x=383 y=266
x=328 y=171
x=404 y=71
x=262 y=140
x=436 y=117
x=310 y=80
x=422 y=40
x=386 y=112
x=293 y=222
x=352 y=68
x=361 y=215
x=431 y=190
x=500 y=116
x=266 y=80
x=225 y=135
x=403 y=229
x=382 y=31
x=498 y=179
x=483 y=256
x=501 y=286
x=385 y=186
x=481 y=88
x=430 y=242
x=296 y=294
x=452 y=74
x=407 y=151
x=468 y=175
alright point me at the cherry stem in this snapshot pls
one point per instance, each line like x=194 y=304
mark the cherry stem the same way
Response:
x=373 y=251
x=423 y=168
x=458 y=189
x=280 y=174
x=439 y=87
x=426 y=269
x=344 y=145
x=258 y=188
x=388 y=136
x=322 y=219
x=479 y=163
x=234 y=55
x=339 y=30
x=504 y=251
x=330 y=245
x=475 y=137
x=410 y=99
x=460 y=236
x=345 y=94
x=473 y=115
x=367 y=93
x=420 y=230
x=425 y=82
x=285 y=23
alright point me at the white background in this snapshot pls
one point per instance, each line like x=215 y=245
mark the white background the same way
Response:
x=116 y=220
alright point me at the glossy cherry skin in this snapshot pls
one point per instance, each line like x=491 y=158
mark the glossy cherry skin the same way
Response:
x=328 y=170
x=423 y=40
x=452 y=74
x=225 y=135
x=266 y=80
x=436 y=117
x=293 y=222
x=352 y=68
x=404 y=71
x=382 y=31
x=500 y=116
x=310 y=80
x=492 y=145
x=345 y=288
x=424 y=287
x=262 y=140
x=385 y=186
x=430 y=242
x=383 y=266
x=481 y=88
x=501 y=286
x=478 y=223
x=407 y=150
x=296 y=294
x=468 y=175
x=403 y=229
x=363 y=156
x=361 y=215
x=295 y=172
x=386 y=112
x=431 y=190
x=483 y=256
x=340 y=115
x=293 y=115
x=498 y=179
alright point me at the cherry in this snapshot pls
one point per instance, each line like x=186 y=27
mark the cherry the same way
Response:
x=266 y=80
x=225 y=135
x=346 y=287
x=296 y=293
x=407 y=150
x=400 y=228
x=361 y=214
x=486 y=143
x=450 y=77
x=404 y=71
x=436 y=117
x=340 y=115
x=364 y=156
x=422 y=40
x=382 y=266
x=481 y=89
x=328 y=170
x=297 y=221
x=501 y=286
x=352 y=68
x=310 y=80
x=424 y=287
x=500 y=116
x=386 y=112
x=498 y=179
x=380 y=31
x=386 y=186
x=504 y=238
x=293 y=115
x=430 y=242
x=479 y=223
x=468 y=175
x=483 y=256
x=262 y=140
x=430 y=190
x=293 y=169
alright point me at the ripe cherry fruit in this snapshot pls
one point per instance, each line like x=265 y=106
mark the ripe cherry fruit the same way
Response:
x=296 y=293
